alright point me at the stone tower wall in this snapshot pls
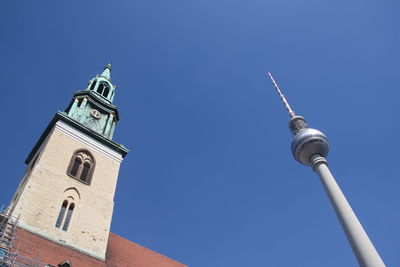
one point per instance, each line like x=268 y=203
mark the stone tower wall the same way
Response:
x=46 y=185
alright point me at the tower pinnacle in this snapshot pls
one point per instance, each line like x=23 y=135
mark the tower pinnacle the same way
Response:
x=283 y=98
x=107 y=71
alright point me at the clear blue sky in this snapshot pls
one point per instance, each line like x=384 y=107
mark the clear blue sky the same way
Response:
x=210 y=180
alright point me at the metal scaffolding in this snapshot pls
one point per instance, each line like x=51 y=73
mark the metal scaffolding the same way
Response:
x=9 y=246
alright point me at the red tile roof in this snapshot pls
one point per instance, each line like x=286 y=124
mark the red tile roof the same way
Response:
x=120 y=253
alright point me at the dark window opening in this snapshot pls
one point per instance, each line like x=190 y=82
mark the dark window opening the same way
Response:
x=100 y=88
x=106 y=91
x=68 y=218
x=65 y=264
x=85 y=171
x=75 y=167
x=61 y=214
x=93 y=85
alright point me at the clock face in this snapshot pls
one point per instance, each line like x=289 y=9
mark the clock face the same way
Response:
x=93 y=123
x=95 y=113
x=94 y=120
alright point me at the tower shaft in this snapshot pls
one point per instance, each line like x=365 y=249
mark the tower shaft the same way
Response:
x=362 y=246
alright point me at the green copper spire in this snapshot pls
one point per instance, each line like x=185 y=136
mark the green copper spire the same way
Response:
x=93 y=108
x=107 y=72
x=102 y=85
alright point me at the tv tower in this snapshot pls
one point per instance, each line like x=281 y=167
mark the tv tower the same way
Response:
x=310 y=147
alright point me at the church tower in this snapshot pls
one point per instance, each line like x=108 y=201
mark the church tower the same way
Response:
x=67 y=192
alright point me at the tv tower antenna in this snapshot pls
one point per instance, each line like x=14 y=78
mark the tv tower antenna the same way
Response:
x=310 y=147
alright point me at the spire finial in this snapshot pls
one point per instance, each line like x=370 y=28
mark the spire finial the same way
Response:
x=284 y=101
x=107 y=71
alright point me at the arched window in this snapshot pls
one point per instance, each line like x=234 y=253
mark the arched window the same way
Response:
x=69 y=215
x=68 y=208
x=63 y=220
x=81 y=166
x=103 y=89
x=61 y=213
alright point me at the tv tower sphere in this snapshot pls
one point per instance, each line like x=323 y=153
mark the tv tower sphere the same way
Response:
x=306 y=141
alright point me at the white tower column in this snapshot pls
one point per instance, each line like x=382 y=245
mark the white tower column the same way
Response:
x=363 y=248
